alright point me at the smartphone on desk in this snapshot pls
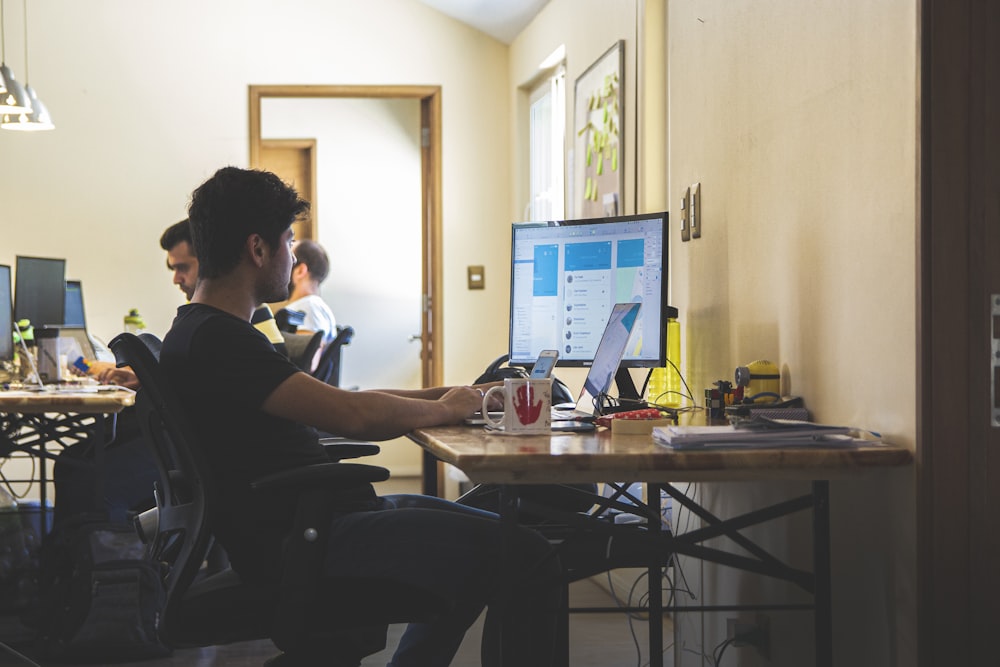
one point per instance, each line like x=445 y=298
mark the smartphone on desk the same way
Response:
x=544 y=364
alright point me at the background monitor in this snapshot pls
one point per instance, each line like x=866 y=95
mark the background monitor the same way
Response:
x=40 y=290
x=566 y=276
x=73 y=315
x=6 y=316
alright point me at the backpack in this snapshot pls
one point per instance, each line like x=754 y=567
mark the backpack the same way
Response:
x=101 y=600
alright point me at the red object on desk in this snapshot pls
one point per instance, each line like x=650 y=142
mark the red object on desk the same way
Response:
x=645 y=413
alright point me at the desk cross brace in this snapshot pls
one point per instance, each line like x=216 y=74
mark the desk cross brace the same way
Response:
x=688 y=544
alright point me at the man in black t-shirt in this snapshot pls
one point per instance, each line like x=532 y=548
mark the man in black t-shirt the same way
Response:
x=255 y=413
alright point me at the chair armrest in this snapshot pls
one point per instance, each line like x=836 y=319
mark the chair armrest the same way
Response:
x=342 y=448
x=353 y=474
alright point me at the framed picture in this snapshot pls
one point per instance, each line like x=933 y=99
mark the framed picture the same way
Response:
x=599 y=178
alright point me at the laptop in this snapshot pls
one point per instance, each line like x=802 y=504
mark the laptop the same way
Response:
x=607 y=358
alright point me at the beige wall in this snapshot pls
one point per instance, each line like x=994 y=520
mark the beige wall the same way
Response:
x=799 y=121
x=150 y=99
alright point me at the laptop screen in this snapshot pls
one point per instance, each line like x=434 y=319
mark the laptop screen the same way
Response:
x=74 y=314
x=6 y=316
x=608 y=355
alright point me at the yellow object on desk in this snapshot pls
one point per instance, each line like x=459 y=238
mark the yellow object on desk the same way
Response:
x=637 y=426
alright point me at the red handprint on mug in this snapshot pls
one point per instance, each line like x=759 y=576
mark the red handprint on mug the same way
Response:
x=527 y=412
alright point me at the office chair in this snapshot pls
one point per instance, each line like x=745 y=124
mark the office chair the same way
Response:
x=328 y=367
x=312 y=619
x=302 y=348
x=289 y=320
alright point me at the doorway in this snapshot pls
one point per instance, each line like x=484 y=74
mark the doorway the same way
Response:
x=429 y=100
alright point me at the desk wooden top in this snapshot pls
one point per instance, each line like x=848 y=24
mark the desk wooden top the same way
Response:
x=62 y=400
x=600 y=456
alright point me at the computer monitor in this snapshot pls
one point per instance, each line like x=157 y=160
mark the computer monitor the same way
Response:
x=40 y=291
x=566 y=276
x=73 y=315
x=6 y=316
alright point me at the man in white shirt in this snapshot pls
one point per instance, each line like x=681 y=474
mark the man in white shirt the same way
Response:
x=312 y=265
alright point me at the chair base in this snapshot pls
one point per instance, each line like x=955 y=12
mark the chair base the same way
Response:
x=287 y=660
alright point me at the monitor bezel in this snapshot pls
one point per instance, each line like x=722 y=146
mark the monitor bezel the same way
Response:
x=18 y=293
x=663 y=216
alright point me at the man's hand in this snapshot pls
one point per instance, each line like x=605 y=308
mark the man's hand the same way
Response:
x=107 y=373
x=463 y=402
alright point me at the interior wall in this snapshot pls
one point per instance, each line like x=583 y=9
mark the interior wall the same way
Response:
x=799 y=122
x=150 y=99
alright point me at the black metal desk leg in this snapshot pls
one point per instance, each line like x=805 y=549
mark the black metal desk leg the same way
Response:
x=655 y=576
x=821 y=569
x=430 y=474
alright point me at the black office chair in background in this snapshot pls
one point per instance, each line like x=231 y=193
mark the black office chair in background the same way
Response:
x=312 y=619
x=328 y=367
x=302 y=348
x=289 y=320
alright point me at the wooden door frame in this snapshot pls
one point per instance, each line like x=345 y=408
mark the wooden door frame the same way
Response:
x=309 y=146
x=432 y=312
x=957 y=452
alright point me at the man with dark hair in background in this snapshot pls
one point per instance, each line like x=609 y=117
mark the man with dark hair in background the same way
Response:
x=255 y=413
x=312 y=265
x=176 y=240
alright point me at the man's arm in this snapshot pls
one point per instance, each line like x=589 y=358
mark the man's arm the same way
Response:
x=107 y=373
x=433 y=393
x=370 y=415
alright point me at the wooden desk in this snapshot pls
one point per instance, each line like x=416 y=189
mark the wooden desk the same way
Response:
x=31 y=421
x=601 y=456
x=63 y=401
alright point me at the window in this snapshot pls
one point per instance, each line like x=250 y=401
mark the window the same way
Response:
x=547 y=137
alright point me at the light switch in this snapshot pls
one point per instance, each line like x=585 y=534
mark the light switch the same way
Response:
x=695 y=213
x=477 y=277
x=685 y=223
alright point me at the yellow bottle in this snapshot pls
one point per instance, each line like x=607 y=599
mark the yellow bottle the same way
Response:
x=664 y=386
x=134 y=322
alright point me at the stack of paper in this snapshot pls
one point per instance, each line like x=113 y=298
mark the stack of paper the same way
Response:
x=760 y=433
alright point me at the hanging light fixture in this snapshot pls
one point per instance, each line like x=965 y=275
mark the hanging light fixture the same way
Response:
x=14 y=99
x=38 y=117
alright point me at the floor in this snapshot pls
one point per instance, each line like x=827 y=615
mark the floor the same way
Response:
x=596 y=640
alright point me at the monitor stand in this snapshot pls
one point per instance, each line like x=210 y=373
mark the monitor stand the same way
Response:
x=626 y=387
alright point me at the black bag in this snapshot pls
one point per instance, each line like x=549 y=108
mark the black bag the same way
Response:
x=101 y=599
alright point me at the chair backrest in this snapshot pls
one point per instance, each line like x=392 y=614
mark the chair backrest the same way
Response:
x=328 y=366
x=289 y=320
x=183 y=535
x=302 y=348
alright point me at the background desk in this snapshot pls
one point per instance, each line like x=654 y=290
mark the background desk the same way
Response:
x=32 y=422
x=601 y=456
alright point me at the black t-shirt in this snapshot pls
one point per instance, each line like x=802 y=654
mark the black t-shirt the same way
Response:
x=223 y=369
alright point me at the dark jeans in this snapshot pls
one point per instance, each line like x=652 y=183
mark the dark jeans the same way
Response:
x=127 y=475
x=459 y=552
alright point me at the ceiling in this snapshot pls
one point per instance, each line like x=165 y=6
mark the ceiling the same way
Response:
x=501 y=19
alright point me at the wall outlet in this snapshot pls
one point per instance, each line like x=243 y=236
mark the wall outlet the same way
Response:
x=756 y=633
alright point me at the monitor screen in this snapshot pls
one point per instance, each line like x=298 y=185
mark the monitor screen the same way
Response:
x=566 y=277
x=73 y=314
x=6 y=316
x=40 y=291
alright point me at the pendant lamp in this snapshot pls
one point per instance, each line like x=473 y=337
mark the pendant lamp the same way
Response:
x=14 y=99
x=38 y=118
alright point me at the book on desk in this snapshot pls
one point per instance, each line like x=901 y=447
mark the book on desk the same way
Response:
x=761 y=433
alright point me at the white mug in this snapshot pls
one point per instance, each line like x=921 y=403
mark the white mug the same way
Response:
x=527 y=406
